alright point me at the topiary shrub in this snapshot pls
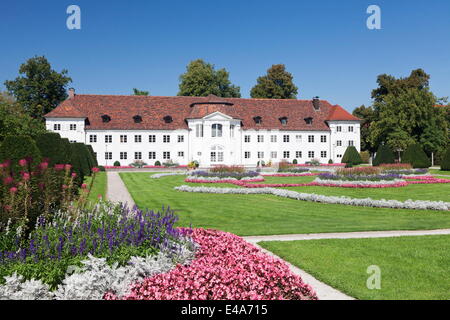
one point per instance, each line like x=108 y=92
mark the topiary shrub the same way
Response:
x=116 y=164
x=295 y=161
x=76 y=162
x=51 y=147
x=330 y=161
x=15 y=148
x=67 y=150
x=102 y=168
x=351 y=156
x=91 y=151
x=415 y=156
x=365 y=156
x=445 y=163
x=384 y=156
x=157 y=163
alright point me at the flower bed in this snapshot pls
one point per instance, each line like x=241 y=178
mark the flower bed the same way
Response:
x=223 y=180
x=359 y=177
x=224 y=174
x=360 y=183
x=307 y=174
x=367 y=202
x=225 y=268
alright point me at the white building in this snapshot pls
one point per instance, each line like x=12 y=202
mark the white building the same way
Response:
x=211 y=130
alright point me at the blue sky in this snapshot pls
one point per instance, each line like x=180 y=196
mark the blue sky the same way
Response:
x=147 y=44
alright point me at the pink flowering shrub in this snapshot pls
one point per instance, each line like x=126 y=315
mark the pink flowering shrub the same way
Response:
x=226 y=267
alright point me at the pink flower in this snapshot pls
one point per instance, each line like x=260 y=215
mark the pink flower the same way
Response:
x=64 y=187
x=59 y=167
x=99 y=196
x=43 y=165
x=8 y=180
x=13 y=190
x=67 y=167
x=74 y=175
x=22 y=162
x=83 y=186
x=95 y=169
x=26 y=176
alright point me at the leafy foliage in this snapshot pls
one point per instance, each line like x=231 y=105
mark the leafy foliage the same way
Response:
x=445 y=164
x=367 y=114
x=276 y=84
x=15 y=148
x=51 y=147
x=137 y=92
x=39 y=89
x=201 y=79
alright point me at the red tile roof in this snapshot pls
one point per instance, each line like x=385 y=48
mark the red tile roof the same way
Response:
x=153 y=109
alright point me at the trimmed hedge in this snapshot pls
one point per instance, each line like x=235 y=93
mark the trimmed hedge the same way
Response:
x=415 y=156
x=91 y=150
x=445 y=164
x=351 y=156
x=15 y=148
x=85 y=161
x=76 y=162
x=51 y=147
x=384 y=156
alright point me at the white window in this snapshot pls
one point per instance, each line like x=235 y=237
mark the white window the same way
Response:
x=166 y=138
x=323 y=138
x=273 y=154
x=57 y=127
x=123 y=156
x=298 y=154
x=323 y=154
x=286 y=138
x=73 y=127
x=273 y=138
x=286 y=154
x=232 y=126
x=92 y=138
x=260 y=155
x=108 y=155
x=311 y=154
x=181 y=154
x=123 y=139
x=180 y=138
x=152 y=138
x=247 y=154
x=339 y=143
x=350 y=129
x=152 y=155
x=298 y=138
x=199 y=130
x=339 y=129
x=260 y=138
x=351 y=143
x=310 y=138
x=108 y=139
x=216 y=154
x=138 y=156
x=216 y=130
x=246 y=138
x=137 y=138
x=166 y=155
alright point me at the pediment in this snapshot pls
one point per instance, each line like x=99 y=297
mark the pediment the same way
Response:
x=217 y=116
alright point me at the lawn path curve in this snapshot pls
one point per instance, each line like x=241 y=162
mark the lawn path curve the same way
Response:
x=117 y=191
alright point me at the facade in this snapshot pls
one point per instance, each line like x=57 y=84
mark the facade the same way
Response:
x=211 y=130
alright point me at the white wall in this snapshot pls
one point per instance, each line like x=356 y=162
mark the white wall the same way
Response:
x=344 y=136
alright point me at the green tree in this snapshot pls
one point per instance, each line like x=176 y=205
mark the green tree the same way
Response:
x=276 y=84
x=445 y=165
x=39 y=89
x=15 y=122
x=367 y=114
x=351 y=156
x=137 y=92
x=201 y=79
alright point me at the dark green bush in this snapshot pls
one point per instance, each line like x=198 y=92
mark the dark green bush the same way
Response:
x=384 y=156
x=91 y=151
x=330 y=161
x=445 y=163
x=157 y=163
x=67 y=150
x=351 y=156
x=15 y=148
x=102 y=168
x=116 y=163
x=294 y=161
x=415 y=156
x=51 y=147
x=76 y=162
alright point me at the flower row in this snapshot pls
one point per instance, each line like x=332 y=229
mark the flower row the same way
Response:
x=226 y=267
x=367 y=202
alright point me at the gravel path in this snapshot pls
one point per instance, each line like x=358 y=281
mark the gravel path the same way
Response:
x=117 y=192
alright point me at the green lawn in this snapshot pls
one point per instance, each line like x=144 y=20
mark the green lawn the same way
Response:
x=436 y=171
x=99 y=186
x=267 y=214
x=411 y=267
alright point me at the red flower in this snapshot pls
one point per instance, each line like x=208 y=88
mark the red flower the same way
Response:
x=59 y=167
x=68 y=167
x=95 y=169
x=43 y=165
x=13 y=190
x=8 y=180
x=83 y=186
x=26 y=176
x=74 y=175
x=22 y=162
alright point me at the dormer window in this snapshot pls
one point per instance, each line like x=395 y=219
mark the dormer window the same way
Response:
x=257 y=119
x=137 y=119
x=309 y=120
x=106 y=118
x=284 y=121
x=168 y=119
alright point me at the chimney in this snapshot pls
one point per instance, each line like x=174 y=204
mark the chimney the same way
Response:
x=316 y=103
x=71 y=93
